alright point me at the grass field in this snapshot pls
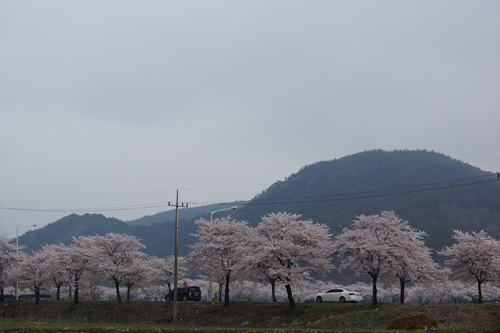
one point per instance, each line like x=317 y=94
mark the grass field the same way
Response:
x=112 y=317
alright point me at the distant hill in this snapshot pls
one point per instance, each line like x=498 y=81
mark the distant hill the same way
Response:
x=154 y=231
x=434 y=192
x=158 y=238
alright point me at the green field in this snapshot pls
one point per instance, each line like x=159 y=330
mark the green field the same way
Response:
x=111 y=317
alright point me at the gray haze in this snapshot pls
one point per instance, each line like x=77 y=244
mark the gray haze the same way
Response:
x=107 y=104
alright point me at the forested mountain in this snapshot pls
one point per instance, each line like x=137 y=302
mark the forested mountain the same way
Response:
x=158 y=237
x=434 y=192
x=154 y=231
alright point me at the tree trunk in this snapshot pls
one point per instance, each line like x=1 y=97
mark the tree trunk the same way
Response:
x=129 y=287
x=169 y=293
x=2 y=298
x=58 y=288
x=220 y=293
x=374 y=289
x=117 y=287
x=37 y=295
x=76 y=292
x=273 y=290
x=480 y=292
x=291 y=302
x=402 y=283
x=226 y=293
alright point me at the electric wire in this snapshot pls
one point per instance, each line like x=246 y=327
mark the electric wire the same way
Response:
x=122 y=193
x=407 y=170
x=81 y=210
x=387 y=189
x=312 y=199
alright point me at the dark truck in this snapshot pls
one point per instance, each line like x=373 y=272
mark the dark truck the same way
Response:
x=185 y=294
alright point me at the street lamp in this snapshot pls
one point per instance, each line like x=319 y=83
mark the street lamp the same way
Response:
x=17 y=252
x=211 y=290
x=221 y=210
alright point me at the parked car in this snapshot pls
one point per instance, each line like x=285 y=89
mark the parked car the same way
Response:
x=185 y=294
x=340 y=295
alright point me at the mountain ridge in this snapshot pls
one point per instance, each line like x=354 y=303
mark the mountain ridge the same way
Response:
x=434 y=192
x=418 y=185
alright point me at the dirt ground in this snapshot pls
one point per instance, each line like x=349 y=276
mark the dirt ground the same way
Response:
x=414 y=321
x=310 y=316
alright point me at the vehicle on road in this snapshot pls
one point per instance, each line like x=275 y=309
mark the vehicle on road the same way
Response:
x=185 y=294
x=339 y=295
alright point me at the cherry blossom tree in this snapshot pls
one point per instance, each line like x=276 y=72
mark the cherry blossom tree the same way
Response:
x=221 y=248
x=78 y=260
x=163 y=269
x=32 y=270
x=55 y=256
x=7 y=252
x=116 y=257
x=476 y=256
x=290 y=248
x=140 y=273
x=269 y=274
x=370 y=246
x=412 y=260
x=218 y=276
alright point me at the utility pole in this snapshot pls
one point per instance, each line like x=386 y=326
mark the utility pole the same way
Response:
x=176 y=249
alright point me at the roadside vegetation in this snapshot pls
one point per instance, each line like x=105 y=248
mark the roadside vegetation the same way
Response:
x=240 y=316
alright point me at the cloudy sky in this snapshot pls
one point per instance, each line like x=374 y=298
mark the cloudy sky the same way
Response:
x=116 y=104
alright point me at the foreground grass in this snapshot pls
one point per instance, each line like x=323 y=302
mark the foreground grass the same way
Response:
x=137 y=317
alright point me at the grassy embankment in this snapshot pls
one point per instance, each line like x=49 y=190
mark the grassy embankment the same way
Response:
x=254 y=317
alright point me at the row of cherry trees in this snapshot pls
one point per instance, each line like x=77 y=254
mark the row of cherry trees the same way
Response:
x=282 y=250
x=384 y=245
x=115 y=258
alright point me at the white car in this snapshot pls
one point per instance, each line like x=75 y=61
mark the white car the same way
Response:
x=339 y=295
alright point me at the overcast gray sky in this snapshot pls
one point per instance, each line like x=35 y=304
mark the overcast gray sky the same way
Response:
x=120 y=103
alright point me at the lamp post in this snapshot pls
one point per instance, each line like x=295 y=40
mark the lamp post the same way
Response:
x=221 y=210
x=211 y=292
x=17 y=252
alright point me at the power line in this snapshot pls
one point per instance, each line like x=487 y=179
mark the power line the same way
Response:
x=387 y=189
x=315 y=199
x=296 y=200
x=80 y=195
x=122 y=193
x=407 y=170
x=84 y=210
